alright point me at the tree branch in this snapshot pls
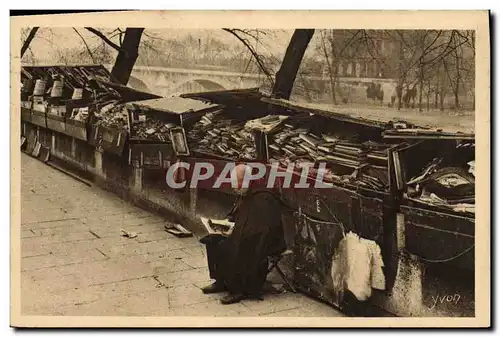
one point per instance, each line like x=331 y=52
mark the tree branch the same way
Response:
x=246 y=32
x=30 y=38
x=446 y=53
x=104 y=38
x=434 y=41
x=349 y=42
x=121 y=36
x=153 y=37
x=251 y=49
x=86 y=45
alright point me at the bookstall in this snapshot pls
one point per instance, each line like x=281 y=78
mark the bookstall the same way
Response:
x=360 y=200
x=157 y=129
x=438 y=198
x=399 y=193
x=59 y=104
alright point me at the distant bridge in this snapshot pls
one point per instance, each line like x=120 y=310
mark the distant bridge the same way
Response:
x=173 y=81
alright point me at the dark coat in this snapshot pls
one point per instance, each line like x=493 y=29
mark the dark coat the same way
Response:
x=257 y=234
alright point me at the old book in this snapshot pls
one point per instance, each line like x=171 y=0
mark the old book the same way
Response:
x=214 y=226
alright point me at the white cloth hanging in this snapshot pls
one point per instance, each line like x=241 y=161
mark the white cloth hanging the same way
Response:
x=377 y=264
x=357 y=267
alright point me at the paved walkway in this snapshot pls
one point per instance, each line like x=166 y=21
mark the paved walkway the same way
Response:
x=74 y=261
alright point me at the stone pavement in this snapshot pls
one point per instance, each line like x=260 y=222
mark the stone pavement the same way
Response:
x=75 y=262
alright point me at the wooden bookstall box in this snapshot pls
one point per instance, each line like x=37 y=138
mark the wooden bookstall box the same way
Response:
x=218 y=163
x=76 y=129
x=26 y=111
x=110 y=140
x=150 y=156
x=84 y=152
x=45 y=137
x=438 y=235
x=25 y=114
x=157 y=129
x=56 y=122
x=116 y=171
x=314 y=248
x=63 y=145
x=353 y=204
x=39 y=118
x=435 y=232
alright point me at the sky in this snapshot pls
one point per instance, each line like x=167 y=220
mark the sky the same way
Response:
x=47 y=42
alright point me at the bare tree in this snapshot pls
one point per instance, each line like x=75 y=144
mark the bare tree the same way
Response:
x=242 y=35
x=127 y=55
x=128 y=51
x=285 y=77
x=28 y=40
x=334 y=48
x=86 y=45
x=422 y=55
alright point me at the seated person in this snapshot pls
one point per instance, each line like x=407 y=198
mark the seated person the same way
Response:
x=239 y=262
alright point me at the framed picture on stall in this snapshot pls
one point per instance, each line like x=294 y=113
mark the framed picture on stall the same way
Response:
x=179 y=141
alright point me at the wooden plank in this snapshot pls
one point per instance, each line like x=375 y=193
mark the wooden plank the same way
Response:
x=76 y=129
x=438 y=238
x=150 y=155
x=26 y=114
x=435 y=219
x=56 y=123
x=313 y=252
x=427 y=135
x=39 y=118
x=324 y=113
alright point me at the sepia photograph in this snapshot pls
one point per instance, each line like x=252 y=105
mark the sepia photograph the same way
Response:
x=176 y=167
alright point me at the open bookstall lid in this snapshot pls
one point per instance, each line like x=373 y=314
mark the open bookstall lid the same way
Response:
x=174 y=105
x=82 y=76
x=415 y=124
x=126 y=93
x=75 y=76
x=228 y=97
x=418 y=133
x=323 y=110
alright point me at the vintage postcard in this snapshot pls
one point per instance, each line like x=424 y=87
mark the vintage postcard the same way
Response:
x=251 y=169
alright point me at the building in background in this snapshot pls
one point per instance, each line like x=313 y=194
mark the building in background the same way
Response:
x=365 y=53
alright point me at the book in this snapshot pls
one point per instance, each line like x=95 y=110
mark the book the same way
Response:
x=214 y=226
x=178 y=230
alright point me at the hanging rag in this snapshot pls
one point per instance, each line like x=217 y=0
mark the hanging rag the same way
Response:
x=357 y=266
x=377 y=264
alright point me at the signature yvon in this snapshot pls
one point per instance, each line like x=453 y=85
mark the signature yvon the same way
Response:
x=444 y=299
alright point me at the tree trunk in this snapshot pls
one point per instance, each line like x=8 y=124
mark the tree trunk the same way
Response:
x=127 y=56
x=436 y=93
x=457 y=84
x=421 y=80
x=399 y=90
x=333 y=77
x=307 y=85
x=330 y=72
x=457 y=101
x=428 y=95
x=285 y=77
x=30 y=38
x=334 y=95
x=420 y=95
x=441 y=100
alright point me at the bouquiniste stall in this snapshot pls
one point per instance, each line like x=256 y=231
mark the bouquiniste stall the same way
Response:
x=413 y=237
x=65 y=100
x=401 y=196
